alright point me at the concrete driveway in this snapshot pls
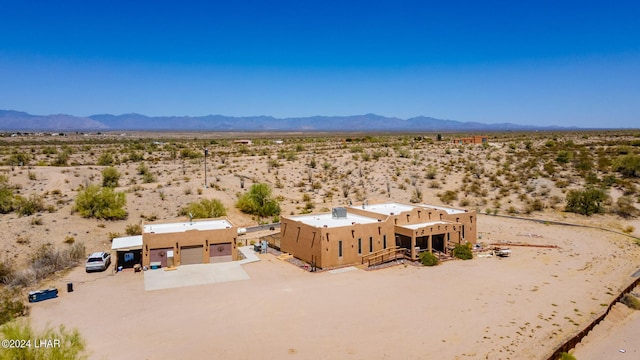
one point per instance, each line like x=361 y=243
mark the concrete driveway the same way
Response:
x=199 y=274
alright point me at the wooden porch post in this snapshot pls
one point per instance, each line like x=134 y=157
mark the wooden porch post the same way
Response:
x=413 y=246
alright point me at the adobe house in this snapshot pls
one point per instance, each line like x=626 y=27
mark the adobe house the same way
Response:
x=332 y=239
x=432 y=228
x=477 y=139
x=347 y=235
x=191 y=242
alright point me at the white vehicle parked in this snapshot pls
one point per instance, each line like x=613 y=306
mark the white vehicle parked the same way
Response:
x=98 y=261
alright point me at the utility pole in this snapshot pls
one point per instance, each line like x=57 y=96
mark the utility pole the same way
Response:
x=206 y=152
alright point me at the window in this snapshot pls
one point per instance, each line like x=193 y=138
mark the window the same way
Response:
x=370 y=244
x=384 y=241
x=463 y=231
x=359 y=246
x=340 y=248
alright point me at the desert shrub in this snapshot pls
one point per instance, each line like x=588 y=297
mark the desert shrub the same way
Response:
x=274 y=163
x=8 y=201
x=404 y=153
x=566 y=356
x=101 y=203
x=564 y=157
x=11 y=307
x=106 y=159
x=47 y=260
x=62 y=158
x=18 y=159
x=416 y=196
x=110 y=177
x=586 y=202
x=463 y=251
x=628 y=165
x=535 y=205
x=190 y=154
x=112 y=235
x=431 y=172
x=291 y=156
x=135 y=156
x=631 y=301
x=72 y=346
x=625 y=207
x=147 y=176
x=133 y=229
x=258 y=201
x=29 y=206
x=49 y=150
x=6 y=271
x=204 y=209
x=428 y=259
x=448 y=196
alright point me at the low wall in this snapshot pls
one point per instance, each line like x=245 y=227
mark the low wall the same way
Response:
x=573 y=341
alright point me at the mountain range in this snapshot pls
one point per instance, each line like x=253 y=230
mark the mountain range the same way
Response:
x=11 y=120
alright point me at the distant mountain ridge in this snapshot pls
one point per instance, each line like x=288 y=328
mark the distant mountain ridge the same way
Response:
x=11 y=120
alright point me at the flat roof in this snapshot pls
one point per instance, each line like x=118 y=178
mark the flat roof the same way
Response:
x=447 y=209
x=320 y=220
x=421 y=225
x=127 y=242
x=386 y=208
x=186 y=226
x=397 y=208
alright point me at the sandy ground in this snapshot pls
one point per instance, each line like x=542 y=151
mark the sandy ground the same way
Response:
x=518 y=307
x=616 y=337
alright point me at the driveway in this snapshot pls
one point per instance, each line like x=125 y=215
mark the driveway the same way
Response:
x=199 y=274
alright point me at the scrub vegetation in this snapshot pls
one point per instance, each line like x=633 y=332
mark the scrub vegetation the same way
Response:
x=71 y=345
x=78 y=186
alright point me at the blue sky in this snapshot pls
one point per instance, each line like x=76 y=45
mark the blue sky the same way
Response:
x=538 y=62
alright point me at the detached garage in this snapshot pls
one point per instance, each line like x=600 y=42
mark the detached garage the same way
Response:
x=186 y=243
x=126 y=251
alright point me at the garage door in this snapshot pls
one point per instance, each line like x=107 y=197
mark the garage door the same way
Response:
x=220 y=252
x=191 y=255
x=159 y=255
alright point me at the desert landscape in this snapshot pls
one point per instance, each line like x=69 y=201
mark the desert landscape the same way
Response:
x=526 y=305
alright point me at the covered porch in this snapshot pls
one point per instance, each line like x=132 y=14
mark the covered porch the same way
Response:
x=433 y=237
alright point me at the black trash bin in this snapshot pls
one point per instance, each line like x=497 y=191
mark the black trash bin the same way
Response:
x=69 y=287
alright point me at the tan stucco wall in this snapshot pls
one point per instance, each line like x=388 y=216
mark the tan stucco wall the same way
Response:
x=176 y=240
x=325 y=249
x=299 y=239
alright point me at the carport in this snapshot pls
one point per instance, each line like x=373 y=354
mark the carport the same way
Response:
x=126 y=251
